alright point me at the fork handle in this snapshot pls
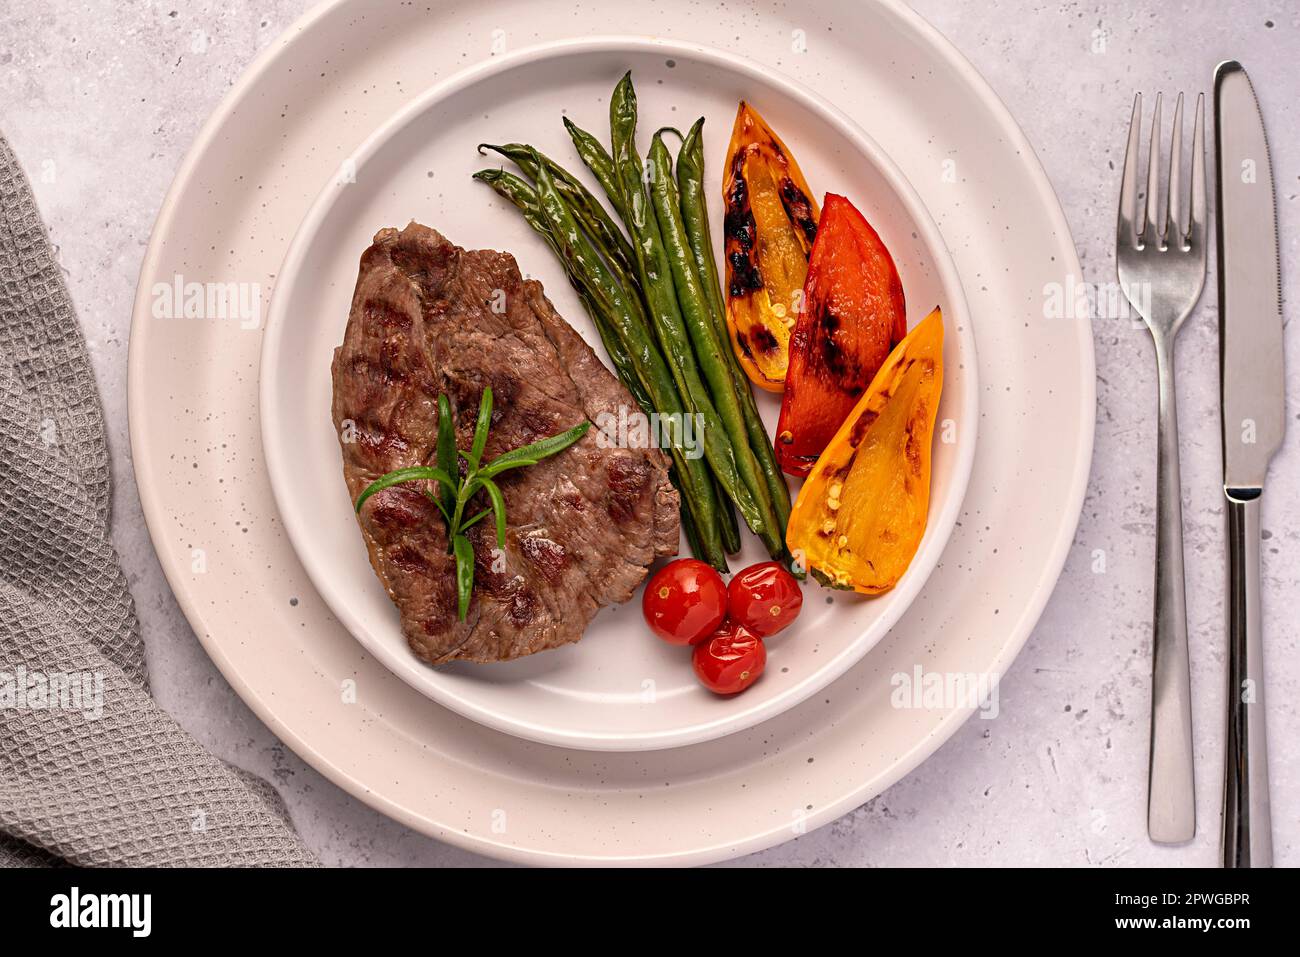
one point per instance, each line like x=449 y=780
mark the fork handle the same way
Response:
x=1171 y=792
x=1247 y=830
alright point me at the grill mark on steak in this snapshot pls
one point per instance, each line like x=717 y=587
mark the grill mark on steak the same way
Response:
x=627 y=477
x=584 y=525
x=547 y=556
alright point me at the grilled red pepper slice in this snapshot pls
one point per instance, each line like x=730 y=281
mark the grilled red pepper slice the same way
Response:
x=853 y=315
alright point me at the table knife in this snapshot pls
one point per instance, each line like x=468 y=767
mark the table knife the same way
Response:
x=1254 y=416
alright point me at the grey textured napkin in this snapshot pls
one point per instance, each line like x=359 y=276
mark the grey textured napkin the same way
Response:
x=92 y=771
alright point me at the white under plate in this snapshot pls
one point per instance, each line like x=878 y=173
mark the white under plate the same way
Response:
x=619 y=688
x=239 y=197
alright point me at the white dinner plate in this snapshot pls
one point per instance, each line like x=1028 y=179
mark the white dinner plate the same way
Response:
x=619 y=688
x=240 y=195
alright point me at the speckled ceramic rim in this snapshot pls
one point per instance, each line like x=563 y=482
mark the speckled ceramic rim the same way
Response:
x=834 y=802
x=743 y=714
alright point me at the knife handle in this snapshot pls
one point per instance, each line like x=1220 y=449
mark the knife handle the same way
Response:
x=1247 y=827
x=1171 y=790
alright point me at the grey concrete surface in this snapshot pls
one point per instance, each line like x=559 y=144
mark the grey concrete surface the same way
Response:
x=100 y=101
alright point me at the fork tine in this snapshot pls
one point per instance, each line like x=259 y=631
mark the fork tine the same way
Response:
x=1175 y=231
x=1127 y=229
x=1196 y=228
x=1151 y=221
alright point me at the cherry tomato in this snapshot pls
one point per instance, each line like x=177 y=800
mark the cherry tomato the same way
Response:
x=729 y=660
x=764 y=598
x=684 y=602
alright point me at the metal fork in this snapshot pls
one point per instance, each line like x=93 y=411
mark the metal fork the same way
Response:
x=1161 y=266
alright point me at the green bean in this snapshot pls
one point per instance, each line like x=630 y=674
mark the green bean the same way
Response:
x=623 y=366
x=645 y=357
x=665 y=315
x=628 y=279
x=727 y=520
x=604 y=232
x=695 y=215
x=688 y=522
x=709 y=351
x=522 y=195
x=600 y=163
x=707 y=546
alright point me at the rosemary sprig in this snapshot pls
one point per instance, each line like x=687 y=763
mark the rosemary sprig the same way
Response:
x=455 y=491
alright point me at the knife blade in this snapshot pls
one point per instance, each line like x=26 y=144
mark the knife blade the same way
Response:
x=1254 y=419
x=1250 y=291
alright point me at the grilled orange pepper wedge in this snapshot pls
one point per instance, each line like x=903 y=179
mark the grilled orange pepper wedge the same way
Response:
x=853 y=315
x=859 y=517
x=769 y=226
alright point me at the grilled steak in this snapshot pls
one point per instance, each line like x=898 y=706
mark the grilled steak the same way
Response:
x=430 y=318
